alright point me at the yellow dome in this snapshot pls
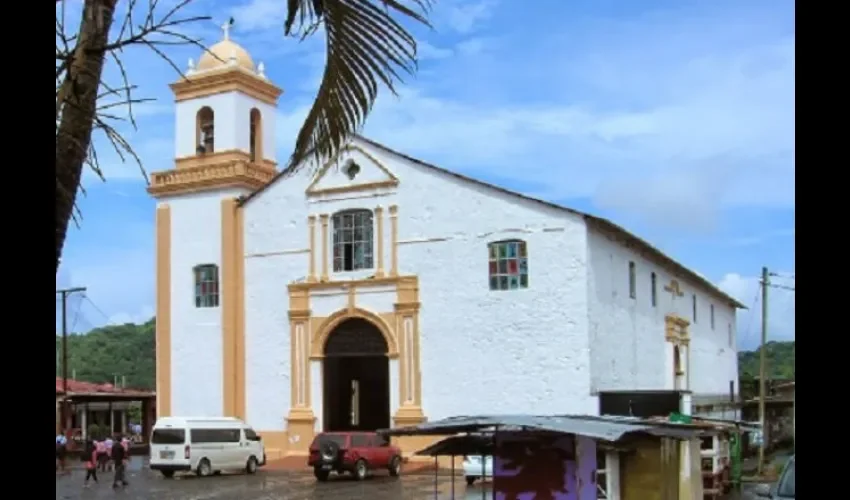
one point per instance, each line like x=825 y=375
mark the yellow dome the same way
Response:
x=219 y=55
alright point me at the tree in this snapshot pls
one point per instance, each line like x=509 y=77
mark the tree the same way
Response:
x=365 y=46
x=85 y=102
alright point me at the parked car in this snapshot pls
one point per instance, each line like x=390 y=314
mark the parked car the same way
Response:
x=477 y=467
x=205 y=445
x=356 y=452
x=785 y=488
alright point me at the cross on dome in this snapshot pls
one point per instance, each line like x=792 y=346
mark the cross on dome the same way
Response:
x=226 y=28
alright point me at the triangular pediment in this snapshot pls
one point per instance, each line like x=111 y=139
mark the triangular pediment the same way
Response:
x=353 y=170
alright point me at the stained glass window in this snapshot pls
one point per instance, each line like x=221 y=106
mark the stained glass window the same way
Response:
x=508 y=265
x=206 y=285
x=352 y=240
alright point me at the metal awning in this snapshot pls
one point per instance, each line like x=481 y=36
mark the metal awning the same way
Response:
x=604 y=428
x=469 y=444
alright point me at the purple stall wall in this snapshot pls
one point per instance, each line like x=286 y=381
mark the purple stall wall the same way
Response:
x=544 y=467
x=587 y=466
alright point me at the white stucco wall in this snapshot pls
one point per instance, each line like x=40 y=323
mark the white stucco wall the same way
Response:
x=232 y=111
x=482 y=351
x=196 y=335
x=629 y=351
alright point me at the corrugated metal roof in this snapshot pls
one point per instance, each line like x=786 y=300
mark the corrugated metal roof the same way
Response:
x=603 y=428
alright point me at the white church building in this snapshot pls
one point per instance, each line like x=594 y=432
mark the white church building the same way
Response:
x=378 y=290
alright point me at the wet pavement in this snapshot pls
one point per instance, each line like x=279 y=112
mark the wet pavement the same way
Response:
x=265 y=485
x=276 y=485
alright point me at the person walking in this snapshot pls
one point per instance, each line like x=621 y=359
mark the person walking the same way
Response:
x=90 y=457
x=107 y=443
x=119 y=455
x=102 y=456
x=61 y=451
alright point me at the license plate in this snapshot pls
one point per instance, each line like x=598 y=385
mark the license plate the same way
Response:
x=327 y=467
x=166 y=454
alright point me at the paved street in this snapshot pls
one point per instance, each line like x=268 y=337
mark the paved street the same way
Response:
x=267 y=485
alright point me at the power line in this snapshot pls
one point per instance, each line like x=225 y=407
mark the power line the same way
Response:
x=780 y=275
x=752 y=308
x=99 y=310
x=782 y=287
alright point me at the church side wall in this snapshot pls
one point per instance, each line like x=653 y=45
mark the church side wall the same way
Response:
x=276 y=254
x=628 y=335
x=196 y=334
x=489 y=351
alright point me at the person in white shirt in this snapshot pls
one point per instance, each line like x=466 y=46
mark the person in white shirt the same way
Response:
x=109 y=442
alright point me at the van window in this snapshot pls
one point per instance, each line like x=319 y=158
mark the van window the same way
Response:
x=214 y=435
x=250 y=435
x=168 y=436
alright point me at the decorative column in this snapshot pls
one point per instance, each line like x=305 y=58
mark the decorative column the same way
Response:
x=407 y=328
x=379 y=216
x=311 y=224
x=394 y=240
x=301 y=420
x=324 y=218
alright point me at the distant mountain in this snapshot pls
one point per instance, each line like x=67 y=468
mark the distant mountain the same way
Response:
x=118 y=350
x=779 y=361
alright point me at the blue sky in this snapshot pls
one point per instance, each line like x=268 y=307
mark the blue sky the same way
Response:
x=672 y=118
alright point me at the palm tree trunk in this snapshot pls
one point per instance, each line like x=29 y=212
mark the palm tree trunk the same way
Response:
x=78 y=96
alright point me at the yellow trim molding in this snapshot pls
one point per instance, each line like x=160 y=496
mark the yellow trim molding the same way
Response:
x=226 y=79
x=232 y=308
x=163 y=311
x=204 y=177
x=324 y=219
x=225 y=157
x=311 y=228
x=394 y=240
x=309 y=333
x=379 y=223
x=676 y=329
x=390 y=182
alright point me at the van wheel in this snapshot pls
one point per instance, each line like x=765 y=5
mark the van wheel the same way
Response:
x=251 y=466
x=395 y=466
x=470 y=480
x=204 y=468
x=321 y=475
x=360 y=470
x=168 y=474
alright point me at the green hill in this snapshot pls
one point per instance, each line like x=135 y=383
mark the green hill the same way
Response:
x=779 y=361
x=130 y=351
x=116 y=350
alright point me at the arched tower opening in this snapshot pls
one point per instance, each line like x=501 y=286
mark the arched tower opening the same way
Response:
x=256 y=139
x=205 y=130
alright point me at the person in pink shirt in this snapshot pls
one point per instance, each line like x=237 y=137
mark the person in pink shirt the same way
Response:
x=89 y=456
x=102 y=456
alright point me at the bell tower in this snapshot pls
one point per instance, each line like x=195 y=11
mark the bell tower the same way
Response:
x=225 y=124
x=225 y=111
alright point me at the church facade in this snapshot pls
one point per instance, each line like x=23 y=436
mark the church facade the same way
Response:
x=377 y=290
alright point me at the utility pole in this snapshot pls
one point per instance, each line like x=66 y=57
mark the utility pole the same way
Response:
x=765 y=284
x=64 y=293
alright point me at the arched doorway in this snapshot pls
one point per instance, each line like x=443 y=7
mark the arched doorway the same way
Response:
x=356 y=378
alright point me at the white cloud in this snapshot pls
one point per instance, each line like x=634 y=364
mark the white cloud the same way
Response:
x=781 y=307
x=464 y=16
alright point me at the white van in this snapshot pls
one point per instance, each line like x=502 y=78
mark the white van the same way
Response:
x=205 y=445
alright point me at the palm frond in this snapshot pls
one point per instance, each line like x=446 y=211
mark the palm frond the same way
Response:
x=365 y=46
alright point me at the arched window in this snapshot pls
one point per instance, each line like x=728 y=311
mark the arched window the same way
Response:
x=353 y=240
x=206 y=130
x=508 y=265
x=256 y=135
x=206 y=285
